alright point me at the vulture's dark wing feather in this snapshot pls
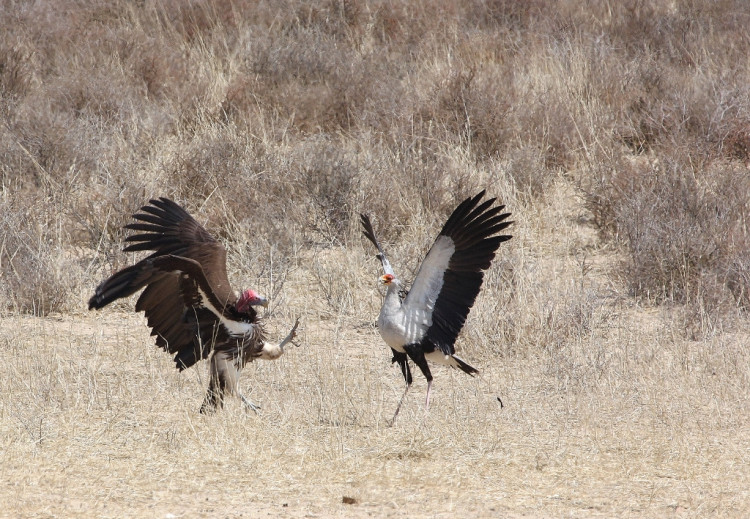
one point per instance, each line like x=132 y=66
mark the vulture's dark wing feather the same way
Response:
x=166 y=228
x=123 y=283
x=178 y=325
x=195 y=289
x=165 y=312
x=449 y=279
x=204 y=318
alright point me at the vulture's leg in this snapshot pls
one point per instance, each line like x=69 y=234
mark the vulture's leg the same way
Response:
x=223 y=379
x=290 y=336
x=212 y=401
x=273 y=352
x=214 y=395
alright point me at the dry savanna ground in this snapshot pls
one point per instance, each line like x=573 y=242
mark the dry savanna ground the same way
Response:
x=612 y=327
x=625 y=417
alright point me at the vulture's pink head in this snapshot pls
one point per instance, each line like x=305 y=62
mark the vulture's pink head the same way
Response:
x=250 y=298
x=387 y=279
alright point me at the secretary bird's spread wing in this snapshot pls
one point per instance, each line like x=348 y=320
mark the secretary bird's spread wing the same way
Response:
x=451 y=274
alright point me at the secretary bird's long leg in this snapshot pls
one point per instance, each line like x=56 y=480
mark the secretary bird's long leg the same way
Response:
x=419 y=359
x=398 y=407
x=427 y=400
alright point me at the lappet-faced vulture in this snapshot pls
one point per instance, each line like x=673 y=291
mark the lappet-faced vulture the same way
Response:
x=188 y=301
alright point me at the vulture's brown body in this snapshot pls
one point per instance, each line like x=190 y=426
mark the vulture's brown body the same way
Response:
x=187 y=299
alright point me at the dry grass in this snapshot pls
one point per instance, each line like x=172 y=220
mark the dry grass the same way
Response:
x=613 y=326
x=609 y=413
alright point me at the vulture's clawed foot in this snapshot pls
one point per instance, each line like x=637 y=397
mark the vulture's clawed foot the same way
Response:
x=292 y=334
x=249 y=404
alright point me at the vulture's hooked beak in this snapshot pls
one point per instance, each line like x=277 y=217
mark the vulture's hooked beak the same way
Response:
x=250 y=298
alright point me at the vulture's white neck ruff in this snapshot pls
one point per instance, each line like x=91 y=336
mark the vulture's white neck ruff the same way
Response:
x=235 y=328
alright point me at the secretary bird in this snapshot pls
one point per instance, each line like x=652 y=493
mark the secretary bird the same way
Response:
x=423 y=324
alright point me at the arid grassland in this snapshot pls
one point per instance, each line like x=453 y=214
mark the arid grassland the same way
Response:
x=613 y=326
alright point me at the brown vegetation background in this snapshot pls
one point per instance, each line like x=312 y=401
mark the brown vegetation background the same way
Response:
x=613 y=325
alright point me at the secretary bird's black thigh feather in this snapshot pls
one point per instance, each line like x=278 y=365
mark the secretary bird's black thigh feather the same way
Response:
x=403 y=362
x=416 y=354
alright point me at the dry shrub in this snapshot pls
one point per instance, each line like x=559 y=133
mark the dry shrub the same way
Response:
x=683 y=224
x=311 y=80
x=671 y=108
x=531 y=176
x=677 y=92
x=38 y=270
x=280 y=122
x=471 y=109
x=16 y=66
x=330 y=181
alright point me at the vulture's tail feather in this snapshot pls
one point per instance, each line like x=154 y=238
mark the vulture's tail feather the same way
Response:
x=123 y=284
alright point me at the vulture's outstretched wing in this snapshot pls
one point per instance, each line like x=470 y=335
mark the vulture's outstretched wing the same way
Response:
x=451 y=274
x=166 y=228
x=370 y=235
x=196 y=291
x=205 y=317
x=123 y=283
x=178 y=326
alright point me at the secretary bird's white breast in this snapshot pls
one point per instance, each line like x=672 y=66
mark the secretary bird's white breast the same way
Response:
x=400 y=327
x=401 y=324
